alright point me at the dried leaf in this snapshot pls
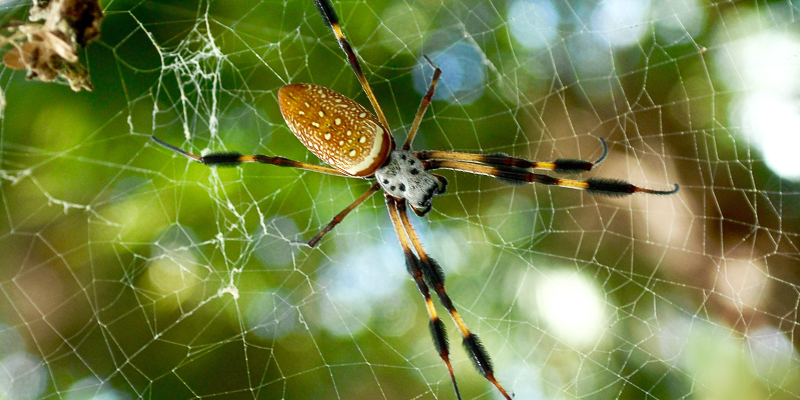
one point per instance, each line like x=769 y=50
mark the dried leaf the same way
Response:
x=49 y=50
x=13 y=60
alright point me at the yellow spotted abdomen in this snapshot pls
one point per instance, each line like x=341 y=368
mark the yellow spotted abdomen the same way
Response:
x=339 y=131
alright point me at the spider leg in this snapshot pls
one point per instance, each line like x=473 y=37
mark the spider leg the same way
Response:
x=438 y=332
x=332 y=20
x=435 y=278
x=561 y=165
x=340 y=216
x=515 y=175
x=443 y=183
x=421 y=212
x=232 y=159
x=423 y=105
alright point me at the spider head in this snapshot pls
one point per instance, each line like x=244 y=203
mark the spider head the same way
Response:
x=404 y=177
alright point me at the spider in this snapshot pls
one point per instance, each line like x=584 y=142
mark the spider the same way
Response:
x=356 y=143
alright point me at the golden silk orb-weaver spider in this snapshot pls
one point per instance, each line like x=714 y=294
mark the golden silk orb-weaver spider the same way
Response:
x=357 y=143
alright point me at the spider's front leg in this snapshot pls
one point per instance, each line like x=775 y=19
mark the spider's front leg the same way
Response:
x=515 y=171
x=434 y=277
x=413 y=264
x=502 y=160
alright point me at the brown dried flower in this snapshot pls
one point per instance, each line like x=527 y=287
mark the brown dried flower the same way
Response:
x=49 y=49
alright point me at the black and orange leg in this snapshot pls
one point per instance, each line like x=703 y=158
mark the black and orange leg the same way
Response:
x=561 y=165
x=513 y=175
x=438 y=332
x=233 y=159
x=340 y=216
x=435 y=278
x=423 y=105
x=332 y=20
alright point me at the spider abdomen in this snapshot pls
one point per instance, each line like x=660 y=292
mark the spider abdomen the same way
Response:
x=338 y=130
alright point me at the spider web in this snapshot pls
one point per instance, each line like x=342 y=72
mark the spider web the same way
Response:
x=130 y=272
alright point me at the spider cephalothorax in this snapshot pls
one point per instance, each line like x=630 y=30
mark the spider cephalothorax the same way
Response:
x=404 y=177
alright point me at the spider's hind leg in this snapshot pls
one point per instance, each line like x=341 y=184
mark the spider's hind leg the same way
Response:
x=328 y=13
x=423 y=105
x=340 y=216
x=233 y=159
